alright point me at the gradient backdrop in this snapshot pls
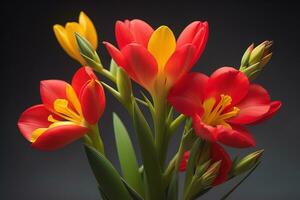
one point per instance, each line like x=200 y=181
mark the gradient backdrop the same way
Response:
x=31 y=53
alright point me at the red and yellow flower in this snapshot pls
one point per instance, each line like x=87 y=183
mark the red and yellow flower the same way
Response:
x=153 y=58
x=217 y=153
x=222 y=104
x=67 y=111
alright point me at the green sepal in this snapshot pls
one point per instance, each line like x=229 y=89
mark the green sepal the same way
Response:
x=107 y=176
x=113 y=67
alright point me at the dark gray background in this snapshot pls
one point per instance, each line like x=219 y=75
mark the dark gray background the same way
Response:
x=31 y=53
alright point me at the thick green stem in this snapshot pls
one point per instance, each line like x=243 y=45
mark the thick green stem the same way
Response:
x=161 y=139
x=106 y=74
x=95 y=137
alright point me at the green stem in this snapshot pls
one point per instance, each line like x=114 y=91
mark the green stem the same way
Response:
x=161 y=140
x=106 y=74
x=94 y=135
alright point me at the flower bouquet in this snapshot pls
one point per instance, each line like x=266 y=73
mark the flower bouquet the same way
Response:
x=208 y=111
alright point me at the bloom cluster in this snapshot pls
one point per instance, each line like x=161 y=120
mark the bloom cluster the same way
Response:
x=216 y=110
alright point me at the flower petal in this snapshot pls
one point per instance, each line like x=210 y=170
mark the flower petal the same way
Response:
x=123 y=33
x=184 y=161
x=227 y=81
x=62 y=38
x=186 y=95
x=205 y=131
x=141 y=62
x=218 y=153
x=195 y=33
x=162 y=45
x=179 y=63
x=51 y=90
x=81 y=77
x=274 y=107
x=141 y=32
x=33 y=118
x=237 y=137
x=89 y=29
x=255 y=105
x=59 y=136
x=92 y=100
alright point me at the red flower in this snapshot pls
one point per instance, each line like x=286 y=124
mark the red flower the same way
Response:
x=66 y=112
x=221 y=105
x=154 y=58
x=217 y=153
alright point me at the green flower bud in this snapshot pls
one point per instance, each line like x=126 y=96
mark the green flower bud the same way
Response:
x=255 y=59
x=211 y=174
x=88 y=53
x=246 y=163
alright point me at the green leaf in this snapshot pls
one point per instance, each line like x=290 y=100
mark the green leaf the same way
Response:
x=132 y=192
x=103 y=196
x=173 y=187
x=107 y=176
x=127 y=157
x=151 y=164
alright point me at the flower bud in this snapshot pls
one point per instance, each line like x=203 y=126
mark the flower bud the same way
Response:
x=211 y=174
x=88 y=52
x=255 y=59
x=246 y=163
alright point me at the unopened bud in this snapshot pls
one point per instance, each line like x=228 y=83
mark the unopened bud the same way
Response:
x=246 y=163
x=255 y=59
x=202 y=168
x=211 y=174
x=88 y=52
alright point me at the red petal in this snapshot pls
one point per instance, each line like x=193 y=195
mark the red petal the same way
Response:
x=115 y=54
x=184 y=161
x=187 y=94
x=227 y=81
x=141 y=32
x=274 y=107
x=237 y=137
x=200 y=41
x=33 y=118
x=255 y=105
x=58 y=137
x=218 y=153
x=51 y=90
x=142 y=63
x=189 y=33
x=123 y=34
x=179 y=62
x=81 y=77
x=92 y=99
x=205 y=131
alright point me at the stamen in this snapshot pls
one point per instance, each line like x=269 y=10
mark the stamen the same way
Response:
x=213 y=114
x=61 y=106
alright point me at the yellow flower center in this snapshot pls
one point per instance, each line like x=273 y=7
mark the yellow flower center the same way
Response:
x=214 y=114
x=63 y=110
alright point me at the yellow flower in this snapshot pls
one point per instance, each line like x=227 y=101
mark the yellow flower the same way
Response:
x=66 y=35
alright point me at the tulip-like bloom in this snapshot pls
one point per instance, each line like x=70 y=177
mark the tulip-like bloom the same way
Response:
x=66 y=36
x=66 y=113
x=217 y=153
x=222 y=104
x=154 y=59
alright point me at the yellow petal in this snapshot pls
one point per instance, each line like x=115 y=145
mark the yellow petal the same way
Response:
x=62 y=38
x=89 y=29
x=162 y=45
x=72 y=97
x=71 y=28
x=36 y=133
